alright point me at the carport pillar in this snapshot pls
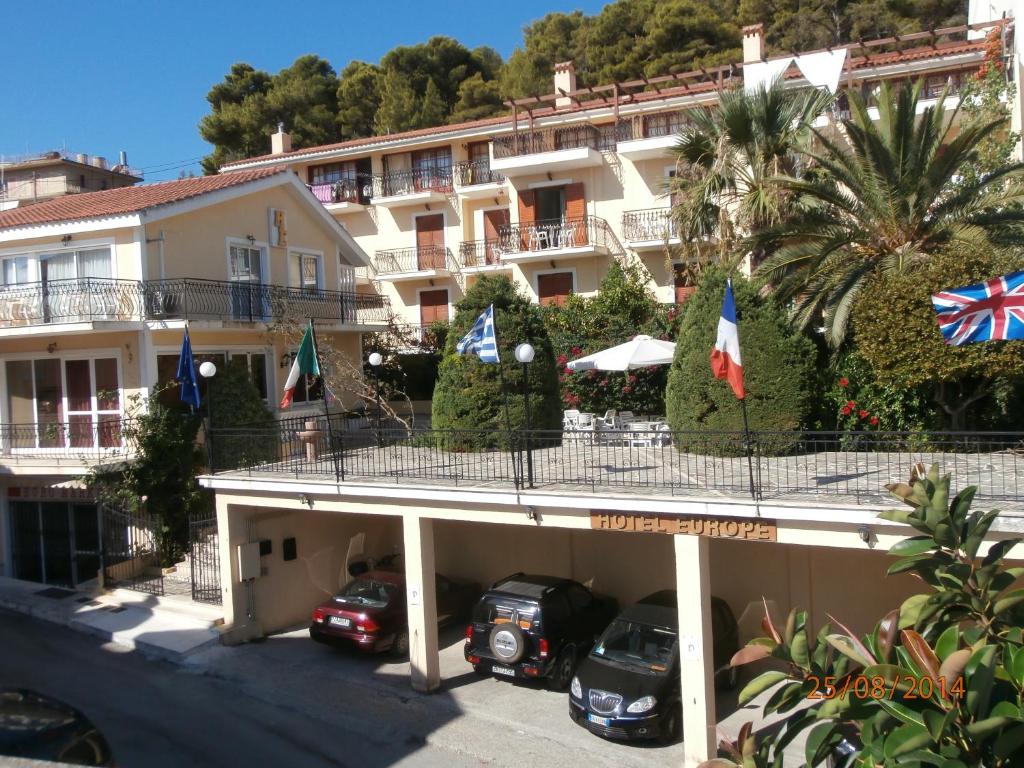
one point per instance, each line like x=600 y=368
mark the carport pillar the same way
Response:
x=424 y=661
x=696 y=649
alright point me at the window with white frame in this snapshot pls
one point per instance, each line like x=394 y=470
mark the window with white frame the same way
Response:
x=14 y=270
x=309 y=271
x=77 y=264
x=245 y=264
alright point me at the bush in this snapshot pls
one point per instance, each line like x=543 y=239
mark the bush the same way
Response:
x=468 y=393
x=234 y=402
x=778 y=370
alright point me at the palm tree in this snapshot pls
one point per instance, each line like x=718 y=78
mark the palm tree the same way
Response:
x=728 y=160
x=884 y=203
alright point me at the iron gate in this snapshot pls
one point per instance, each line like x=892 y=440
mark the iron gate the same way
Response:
x=130 y=551
x=204 y=558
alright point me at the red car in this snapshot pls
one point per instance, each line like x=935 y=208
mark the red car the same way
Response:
x=370 y=612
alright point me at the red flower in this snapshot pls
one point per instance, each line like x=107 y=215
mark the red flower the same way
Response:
x=575 y=351
x=562 y=359
x=850 y=404
x=846 y=411
x=627 y=389
x=874 y=421
x=844 y=382
x=862 y=413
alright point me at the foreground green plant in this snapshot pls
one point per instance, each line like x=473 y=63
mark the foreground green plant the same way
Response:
x=940 y=680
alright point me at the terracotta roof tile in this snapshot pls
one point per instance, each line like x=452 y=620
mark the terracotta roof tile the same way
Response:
x=125 y=200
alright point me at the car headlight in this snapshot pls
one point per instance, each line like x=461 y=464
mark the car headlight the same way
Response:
x=645 y=704
x=576 y=689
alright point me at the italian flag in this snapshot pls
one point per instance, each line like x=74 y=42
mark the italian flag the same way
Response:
x=305 y=364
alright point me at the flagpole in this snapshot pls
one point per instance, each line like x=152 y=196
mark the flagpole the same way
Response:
x=746 y=424
x=504 y=397
x=323 y=396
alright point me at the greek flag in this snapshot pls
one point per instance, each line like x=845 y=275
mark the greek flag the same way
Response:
x=481 y=338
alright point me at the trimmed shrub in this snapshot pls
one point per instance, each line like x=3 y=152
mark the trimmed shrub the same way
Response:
x=235 y=402
x=468 y=394
x=778 y=371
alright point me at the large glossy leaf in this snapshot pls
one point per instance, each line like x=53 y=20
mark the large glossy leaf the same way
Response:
x=921 y=653
x=784 y=699
x=998 y=550
x=905 y=739
x=948 y=642
x=936 y=722
x=1010 y=743
x=982 y=729
x=912 y=546
x=961 y=505
x=885 y=635
x=980 y=674
x=1008 y=600
x=901 y=712
x=820 y=742
x=978 y=532
x=843 y=644
x=908 y=564
x=760 y=684
x=952 y=667
x=911 y=609
x=748 y=654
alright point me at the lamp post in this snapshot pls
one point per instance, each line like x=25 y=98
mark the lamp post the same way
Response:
x=375 y=359
x=524 y=354
x=208 y=370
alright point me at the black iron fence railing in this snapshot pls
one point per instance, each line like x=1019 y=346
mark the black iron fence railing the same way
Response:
x=552 y=140
x=641 y=457
x=549 y=234
x=90 y=299
x=648 y=224
x=351 y=190
x=437 y=179
x=652 y=126
x=480 y=253
x=418 y=259
x=80 y=437
x=467 y=174
x=69 y=301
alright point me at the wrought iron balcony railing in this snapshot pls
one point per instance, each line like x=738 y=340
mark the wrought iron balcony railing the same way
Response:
x=652 y=126
x=69 y=301
x=82 y=436
x=354 y=190
x=480 y=253
x=468 y=174
x=554 y=234
x=92 y=299
x=412 y=181
x=648 y=224
x=553 y=140
x=417 y=259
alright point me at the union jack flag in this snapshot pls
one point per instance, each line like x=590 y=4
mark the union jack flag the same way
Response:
x=988 y=311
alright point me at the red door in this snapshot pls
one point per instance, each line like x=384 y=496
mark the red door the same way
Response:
x=430 y=242
x=433 y=306
x=554 y=288
x=494 y=221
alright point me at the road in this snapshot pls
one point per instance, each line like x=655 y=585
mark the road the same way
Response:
x=155 y=714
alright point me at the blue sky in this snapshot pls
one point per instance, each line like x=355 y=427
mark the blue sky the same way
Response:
x=98 y=77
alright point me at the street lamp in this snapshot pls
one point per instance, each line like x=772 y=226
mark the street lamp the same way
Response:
x=524 y=354
x=207 y=370
x=375 y=359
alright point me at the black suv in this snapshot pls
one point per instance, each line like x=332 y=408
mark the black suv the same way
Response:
x=535 y=627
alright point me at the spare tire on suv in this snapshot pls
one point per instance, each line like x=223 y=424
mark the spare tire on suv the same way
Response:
x=507 y=642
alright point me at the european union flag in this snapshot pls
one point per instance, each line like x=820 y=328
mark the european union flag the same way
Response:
x=481 y=338
x=187 y=374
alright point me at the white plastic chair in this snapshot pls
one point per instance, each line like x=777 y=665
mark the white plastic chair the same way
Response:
x=567 y=236
x=570 y=420
x=538 y=239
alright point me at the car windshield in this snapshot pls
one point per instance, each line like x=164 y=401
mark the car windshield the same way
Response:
x=637 y=645
x=375 y=594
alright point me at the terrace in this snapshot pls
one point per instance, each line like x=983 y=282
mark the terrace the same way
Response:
x=550 y=149
x=557 y=238
x=649 y=229
x=416 y=263
x=412 y=187
x=838 y=467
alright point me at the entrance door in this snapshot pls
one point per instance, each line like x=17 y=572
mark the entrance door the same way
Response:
x=433 y=307
x=494 y=223
x=57 y=544
x=554 y=288
x=245 y=267
x=26 y=541
x=430 y=242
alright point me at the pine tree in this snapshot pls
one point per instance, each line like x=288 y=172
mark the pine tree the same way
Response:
x=397 y=111
x=432 y=109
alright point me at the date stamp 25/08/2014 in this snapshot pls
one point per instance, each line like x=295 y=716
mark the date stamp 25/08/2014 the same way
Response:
x=878 y=687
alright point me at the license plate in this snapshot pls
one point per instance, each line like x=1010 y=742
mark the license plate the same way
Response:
x=605 y=721
x=339 y=621
x=507 y=671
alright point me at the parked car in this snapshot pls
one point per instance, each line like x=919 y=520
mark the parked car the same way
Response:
x=628 y=687
x=535 y=627
x=371 y=613
x=38 y=727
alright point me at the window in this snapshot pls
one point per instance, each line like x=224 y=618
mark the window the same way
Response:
x=332 y=172
x=14 y=270
x=554 y=288
x=245 y=270
x=68 y=265
x=167 y=369
x=439 y=159
x=308 y=265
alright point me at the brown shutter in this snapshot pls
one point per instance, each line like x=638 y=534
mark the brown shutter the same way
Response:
x=433 y=306
x=430 y=241
x=554 y=288
x=527 y=216
x=576 y=210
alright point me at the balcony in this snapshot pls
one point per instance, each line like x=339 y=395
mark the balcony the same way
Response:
x=551 y=149
x=412 y=187
x=650 y=229
x=645 y=137
x=478 y=256
x=557 y=239
x=475 y=180
x=346 y=195
x=418 y=263
x=62 y=447
x=91 y=300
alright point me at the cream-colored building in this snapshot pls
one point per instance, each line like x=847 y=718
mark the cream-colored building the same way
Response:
x=568 y=183
x=95 y=294
x=35 y=178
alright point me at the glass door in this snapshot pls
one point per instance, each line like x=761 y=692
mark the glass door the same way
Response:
x=245 y=267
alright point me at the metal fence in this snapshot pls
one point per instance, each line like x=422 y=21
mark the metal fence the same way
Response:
x=82 y=437
x=416 y=259
x=472 y=172
x=648 y=224
x=852 y=465
x=550 y=234
x=69 y=301
x=408 y=182
x=552 y=140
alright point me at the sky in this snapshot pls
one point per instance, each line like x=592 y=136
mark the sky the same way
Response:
x=109 y=75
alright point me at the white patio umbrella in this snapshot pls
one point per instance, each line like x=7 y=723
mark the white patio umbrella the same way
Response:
x=639 y=352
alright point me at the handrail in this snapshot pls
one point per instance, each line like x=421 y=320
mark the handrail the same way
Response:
x=553 y=234
x=480 y=253
x=649 y=224
x=416 y=259
x=550 y=140
x=86 y=435
x=472 y=172
x=412 y=181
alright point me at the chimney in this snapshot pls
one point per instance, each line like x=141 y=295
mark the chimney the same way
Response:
x=565 y=82
x=280 y=142
x=753 y=43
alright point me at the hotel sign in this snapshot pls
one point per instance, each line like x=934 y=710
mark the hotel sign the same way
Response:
x=714 y=527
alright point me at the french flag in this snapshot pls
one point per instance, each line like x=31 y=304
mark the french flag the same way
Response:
x=725 y=357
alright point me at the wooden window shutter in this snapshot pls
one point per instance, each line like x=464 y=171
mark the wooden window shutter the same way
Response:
x=527 y=216
x=576 y=210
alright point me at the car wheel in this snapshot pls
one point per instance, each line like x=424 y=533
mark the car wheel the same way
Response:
x=670 y=725
x=562 y=674
x=507 y=642
x=401 y=645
